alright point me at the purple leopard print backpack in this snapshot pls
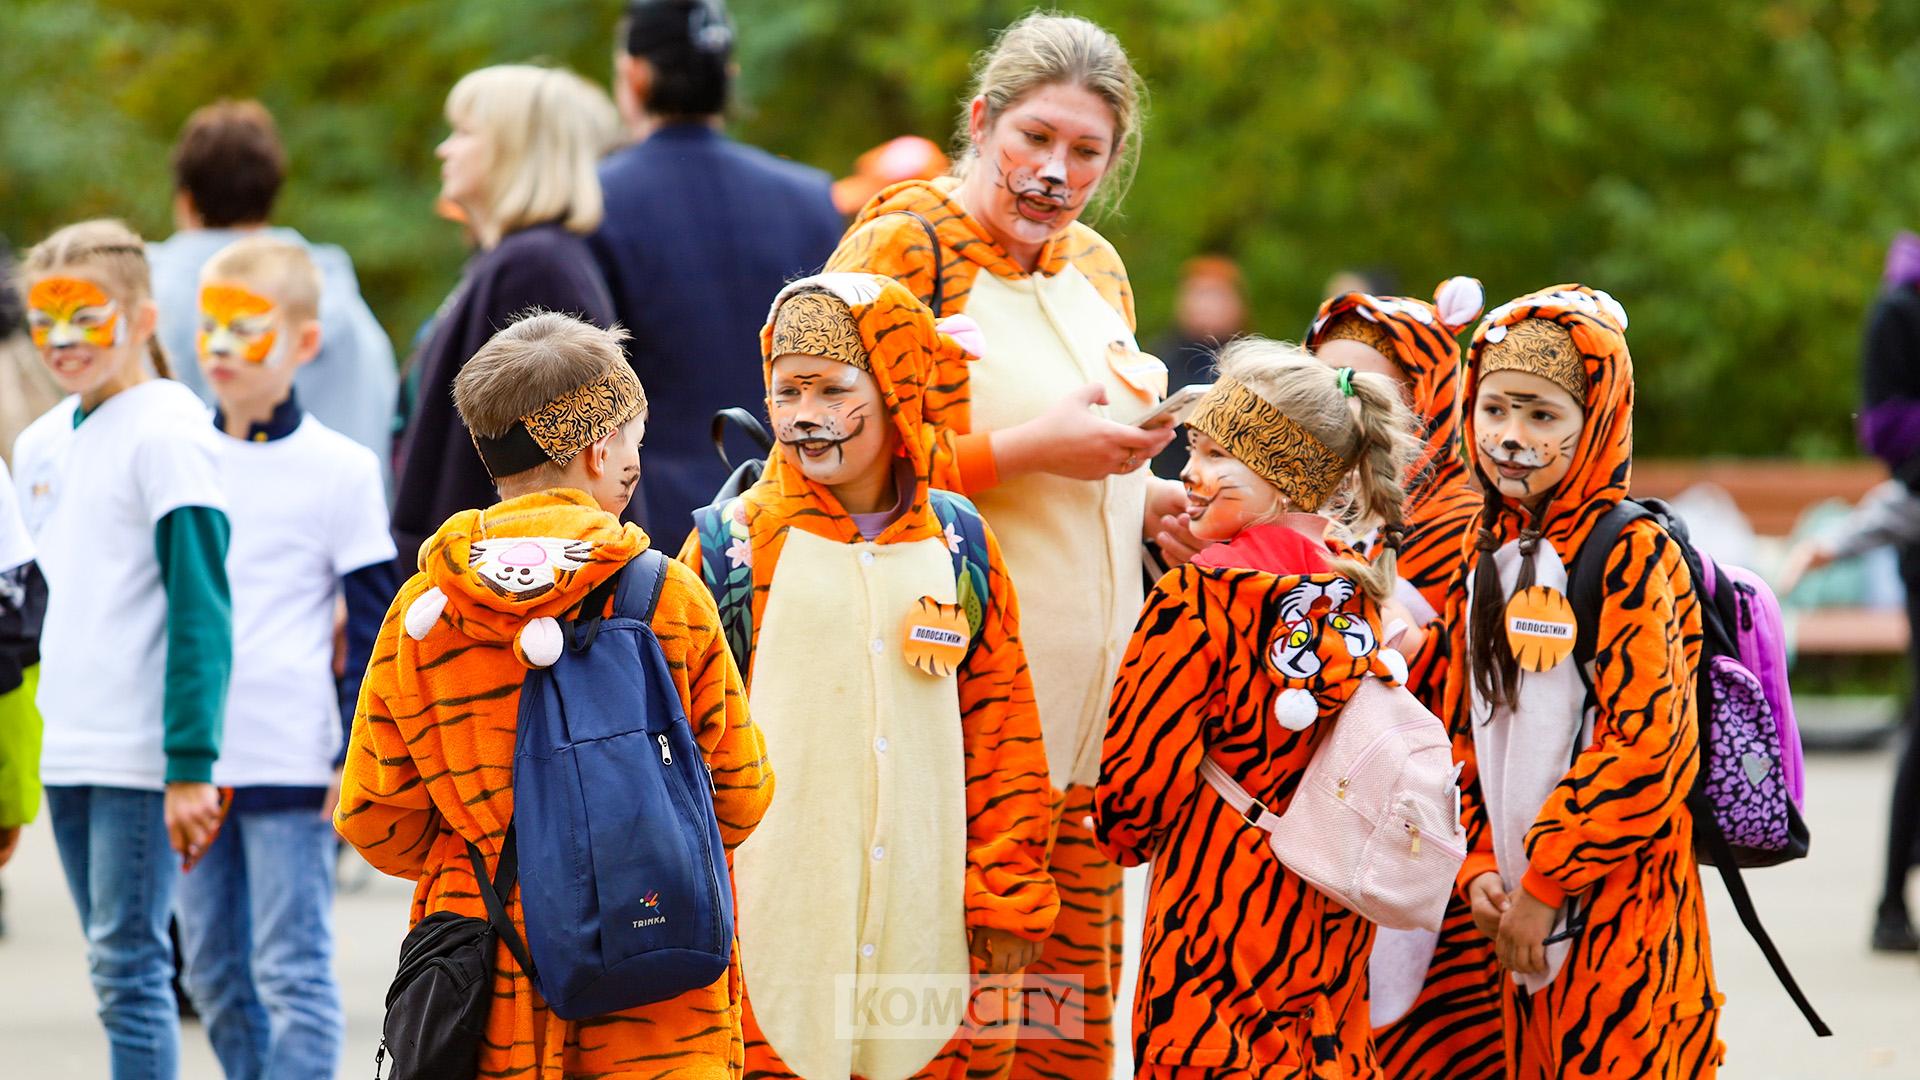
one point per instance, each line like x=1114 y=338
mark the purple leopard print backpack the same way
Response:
x=1746 y=799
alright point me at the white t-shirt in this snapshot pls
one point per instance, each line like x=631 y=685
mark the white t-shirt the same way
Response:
x=16 y=544
x=307 y=509
x=92 y=496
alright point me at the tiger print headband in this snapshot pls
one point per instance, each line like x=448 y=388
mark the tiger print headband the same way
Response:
x=1270 y=443
x=560 y=429
x=1355 y=327
x=818 y=324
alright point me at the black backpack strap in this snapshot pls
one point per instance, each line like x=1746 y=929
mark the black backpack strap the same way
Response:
x=1707 y=829
x=937 y=300
x=493 y=893
x=1586 y=578
x=746 y=422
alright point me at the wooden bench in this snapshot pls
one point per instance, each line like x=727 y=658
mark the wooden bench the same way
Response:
x=1773 y=495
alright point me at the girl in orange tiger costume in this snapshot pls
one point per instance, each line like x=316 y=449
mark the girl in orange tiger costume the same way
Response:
x=1450 y=1029
x=1247 y=971
x=430 y=762
x=912 y=826
x=1048 y=453
x=1584 y=876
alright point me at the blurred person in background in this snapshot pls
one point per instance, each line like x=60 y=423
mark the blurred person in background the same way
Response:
x=700 y=233
x=228 y=168
x=1209 y=310
x=26 y=390
x=519 y=163
x=906 y=157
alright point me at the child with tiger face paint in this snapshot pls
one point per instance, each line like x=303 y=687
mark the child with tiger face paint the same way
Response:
x=1583 y=877
x=880 y=635
x=1245 y=969
x=1436 y=999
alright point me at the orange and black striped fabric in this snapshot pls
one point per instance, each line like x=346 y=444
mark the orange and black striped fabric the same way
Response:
x=430 y=765
x=1636 y=997
x=1246 y=970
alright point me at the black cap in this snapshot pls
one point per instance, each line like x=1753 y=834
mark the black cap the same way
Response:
x=655 y=26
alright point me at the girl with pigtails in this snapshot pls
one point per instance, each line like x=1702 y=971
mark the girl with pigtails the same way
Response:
x=1582 y=870
x=1245 y=969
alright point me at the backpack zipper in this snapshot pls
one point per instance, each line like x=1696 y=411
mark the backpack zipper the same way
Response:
x=666 y=752
x=1380 y=740
x=1742 y=593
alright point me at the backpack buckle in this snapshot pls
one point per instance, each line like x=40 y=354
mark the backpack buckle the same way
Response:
x=1254 y=812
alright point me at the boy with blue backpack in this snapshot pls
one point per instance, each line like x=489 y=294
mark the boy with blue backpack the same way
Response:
x=881 y=638
x=548 y=693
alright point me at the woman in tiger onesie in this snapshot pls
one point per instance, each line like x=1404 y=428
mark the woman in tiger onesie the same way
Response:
x=881 y=638
x=1436 y=999
x=1583 y=876
x=1048 y=454
x=1247 y=971
x=429 y=767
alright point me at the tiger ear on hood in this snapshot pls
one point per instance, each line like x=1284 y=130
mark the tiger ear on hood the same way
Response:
x=1459 y=301
x=961 y=333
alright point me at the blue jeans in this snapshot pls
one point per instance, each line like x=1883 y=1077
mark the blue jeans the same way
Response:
x=256 y=929
x=121 y=872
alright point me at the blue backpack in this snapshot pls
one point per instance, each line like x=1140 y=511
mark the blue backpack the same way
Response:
x=623 y=875
x=731 y=580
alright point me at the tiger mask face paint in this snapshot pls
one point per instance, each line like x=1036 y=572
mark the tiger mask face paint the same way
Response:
x=250 y=347
x=1224 y=496
x=1526 y=429
x=831 y=421
x=78 y=329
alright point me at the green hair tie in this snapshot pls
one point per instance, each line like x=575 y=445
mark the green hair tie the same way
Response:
x=1346 y=381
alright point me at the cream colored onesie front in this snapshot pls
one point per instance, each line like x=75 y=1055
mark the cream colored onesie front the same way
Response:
x=858 y=871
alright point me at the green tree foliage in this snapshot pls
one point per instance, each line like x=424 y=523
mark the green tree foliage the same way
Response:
x=1731 y=171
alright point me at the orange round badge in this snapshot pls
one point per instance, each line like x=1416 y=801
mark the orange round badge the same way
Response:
x=1540 y=627
x=936 y=637
x=1142 y=371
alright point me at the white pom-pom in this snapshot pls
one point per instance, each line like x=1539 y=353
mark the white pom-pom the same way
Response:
x=541 y=642
x=1612 y=307
x=1496 y=334
x=1295 y=709
x=1459 y=300
x=424 y=612
x=1395 y=664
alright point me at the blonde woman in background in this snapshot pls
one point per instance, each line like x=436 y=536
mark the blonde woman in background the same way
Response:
x=520 y=164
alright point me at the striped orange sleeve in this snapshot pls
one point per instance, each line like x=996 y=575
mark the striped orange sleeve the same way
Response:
x=973 y=466
x=690 y=553
x=1009 y=798
x=1627 y=787
x=688 y=626
x=385 y=811
x=1156 y=717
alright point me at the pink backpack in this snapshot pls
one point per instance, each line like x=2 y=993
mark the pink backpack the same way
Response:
x=1375 y=822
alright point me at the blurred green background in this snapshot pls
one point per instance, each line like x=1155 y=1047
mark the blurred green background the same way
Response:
x=1731 y=170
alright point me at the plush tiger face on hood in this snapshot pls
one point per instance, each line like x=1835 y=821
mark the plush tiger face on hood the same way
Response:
x=1328 y=638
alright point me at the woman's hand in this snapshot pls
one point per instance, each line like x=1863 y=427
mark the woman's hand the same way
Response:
x=1166 y=522
x=1000 y=952
x=1069 y=441
x=1487 y=896
x=1521 y=944
x=1809 y=556
x=193 y=817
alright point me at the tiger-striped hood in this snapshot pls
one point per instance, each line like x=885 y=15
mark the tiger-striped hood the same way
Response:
x=1603 y=462
x=1425 y=345
x=519 y=565
x=911 y=357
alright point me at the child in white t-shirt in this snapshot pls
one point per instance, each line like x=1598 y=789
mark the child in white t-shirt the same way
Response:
x=120 y=490
x=309 y=527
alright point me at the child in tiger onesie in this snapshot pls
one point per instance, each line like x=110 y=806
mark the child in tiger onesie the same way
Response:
x=881 y=638
x=1436 y=998
x=557 y=417
x=1246 y=970
x=1583 y=876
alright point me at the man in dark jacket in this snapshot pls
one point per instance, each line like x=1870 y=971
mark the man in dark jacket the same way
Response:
x=700 y=234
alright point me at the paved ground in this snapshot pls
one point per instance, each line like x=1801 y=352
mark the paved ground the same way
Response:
x=1818 y=909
